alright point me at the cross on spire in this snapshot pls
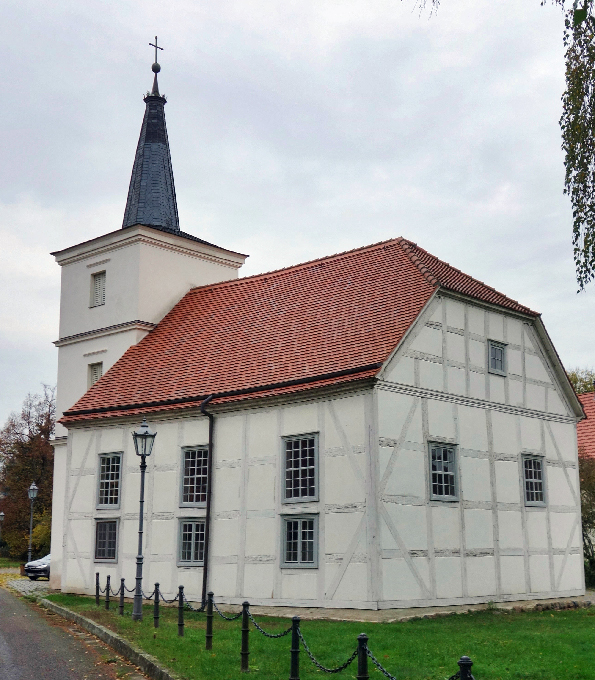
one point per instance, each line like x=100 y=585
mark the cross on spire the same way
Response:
x=156 y=46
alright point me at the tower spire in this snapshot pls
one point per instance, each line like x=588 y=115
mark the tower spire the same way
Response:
x=152 y=195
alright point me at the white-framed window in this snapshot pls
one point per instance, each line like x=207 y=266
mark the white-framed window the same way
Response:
x=300 y=468
x=106 y=540
x=95 y=372
x=110 y=474
x=192 y=542
x=496 y=357
x=194 y=477
x=444 y=484
x=299 y=541
x=533 y=480
x=97 y=289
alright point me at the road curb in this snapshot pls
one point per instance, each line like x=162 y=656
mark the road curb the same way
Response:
x=147 y=663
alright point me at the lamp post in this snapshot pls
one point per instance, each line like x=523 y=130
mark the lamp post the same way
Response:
x=1 y=520
x=144 y=438
x=32 y=493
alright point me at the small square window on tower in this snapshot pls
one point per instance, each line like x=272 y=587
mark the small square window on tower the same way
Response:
x=95 y=372
x=97 y=289
x=496 y=357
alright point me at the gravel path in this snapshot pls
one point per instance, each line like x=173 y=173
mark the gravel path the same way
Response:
x=35 y=645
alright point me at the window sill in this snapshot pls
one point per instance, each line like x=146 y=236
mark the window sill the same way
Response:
x=98 y=560
x=299 y=566
x=190 y=565
x=305 y=499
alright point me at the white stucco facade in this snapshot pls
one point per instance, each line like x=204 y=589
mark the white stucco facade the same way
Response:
x=146 y=272
x=381 y=541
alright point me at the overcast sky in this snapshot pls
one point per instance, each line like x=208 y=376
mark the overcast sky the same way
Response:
x=297 y=129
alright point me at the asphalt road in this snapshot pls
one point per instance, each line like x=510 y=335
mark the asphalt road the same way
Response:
x=37 y=646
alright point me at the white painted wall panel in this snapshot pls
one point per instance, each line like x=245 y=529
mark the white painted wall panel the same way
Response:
x=512 y=574
x=481 y=576
x=472 y=428
x=455 y=314
x=475 y=479
x=478 y=529
x=449 y=583
x=507 y=482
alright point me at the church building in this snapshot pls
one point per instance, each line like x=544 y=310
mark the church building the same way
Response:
x=373 y=429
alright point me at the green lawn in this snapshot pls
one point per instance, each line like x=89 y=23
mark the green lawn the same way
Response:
x=6 y=562
x=548 y=645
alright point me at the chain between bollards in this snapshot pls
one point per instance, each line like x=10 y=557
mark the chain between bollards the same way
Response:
x=245 y=653
x=107 y=591
x=97 y=588
x=121 y=607
x=156 y=607
x=294 y=668
x=209 y=633
x=362 y=657
x=181 y=611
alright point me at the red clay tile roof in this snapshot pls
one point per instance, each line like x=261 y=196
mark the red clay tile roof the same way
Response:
x=324 y=322
x=585 y=429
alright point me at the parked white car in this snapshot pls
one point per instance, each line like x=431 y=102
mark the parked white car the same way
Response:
x=38 y=568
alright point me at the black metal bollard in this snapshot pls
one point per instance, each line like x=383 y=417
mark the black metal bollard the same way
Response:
x=107 y=589
x=209 y=633
x=245 y=653
x=156 y=607
x=465 y=664
x=121 y=607
x=294 y=669
x=97 y=588
x=181 y=611
x=362 y=657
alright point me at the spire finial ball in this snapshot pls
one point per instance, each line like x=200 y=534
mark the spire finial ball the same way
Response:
x=156 y=68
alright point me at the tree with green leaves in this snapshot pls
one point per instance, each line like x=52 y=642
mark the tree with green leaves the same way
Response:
x=578 y=128
x=26 y=456
x=582 y=379
x=586 y=466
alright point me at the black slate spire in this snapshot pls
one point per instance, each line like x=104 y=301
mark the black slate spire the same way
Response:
x=152 y=195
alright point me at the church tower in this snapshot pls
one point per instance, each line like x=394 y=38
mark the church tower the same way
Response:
x=115 y=288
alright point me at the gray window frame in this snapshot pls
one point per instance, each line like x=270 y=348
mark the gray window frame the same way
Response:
x=283 y=466
x=454 y=447
x=185 y=449
x=105 y=520
x=181 y=522
x=541 y=459
x=94 y=275
x=502 y=346
x=299 y=565
x=103 y=506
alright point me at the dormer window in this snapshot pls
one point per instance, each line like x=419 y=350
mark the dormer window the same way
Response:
x=97 y=289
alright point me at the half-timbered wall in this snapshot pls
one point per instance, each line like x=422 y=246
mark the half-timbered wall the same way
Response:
x=488 y=544
x=381 y=541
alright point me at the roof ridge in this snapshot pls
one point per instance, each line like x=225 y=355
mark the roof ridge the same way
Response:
x=301 y=265
x=408 y=247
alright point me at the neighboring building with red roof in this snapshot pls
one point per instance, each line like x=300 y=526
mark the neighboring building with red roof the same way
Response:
x=372 y=429
x=585 y=430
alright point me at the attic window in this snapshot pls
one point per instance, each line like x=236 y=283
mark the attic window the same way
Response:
x=97 y=289
x=496 y=357
x=95 y=372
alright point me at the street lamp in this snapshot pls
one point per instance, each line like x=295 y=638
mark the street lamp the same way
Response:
x=32 y=492
x=1 y=520
x=144 y=438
